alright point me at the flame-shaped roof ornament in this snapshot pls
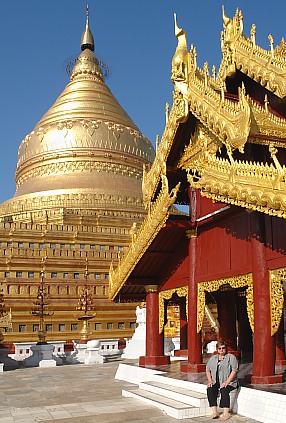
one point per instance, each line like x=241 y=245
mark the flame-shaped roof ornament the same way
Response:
x=87 y=41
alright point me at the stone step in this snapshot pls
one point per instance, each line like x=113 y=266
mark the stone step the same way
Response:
x=176 y=409
x=187 y=396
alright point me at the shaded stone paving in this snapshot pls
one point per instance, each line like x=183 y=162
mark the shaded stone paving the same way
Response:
x=76 y=394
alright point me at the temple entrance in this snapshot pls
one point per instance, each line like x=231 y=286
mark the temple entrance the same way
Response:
x=175 y=322
x=224 y=317
x=210 y=326
x=232 y=317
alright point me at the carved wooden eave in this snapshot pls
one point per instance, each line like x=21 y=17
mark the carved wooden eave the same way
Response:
x=267 y=67
x=229 y=121
x=255 y=186
x=152 y=178
x=153 y=223
x=233 y=123
x=266 y=128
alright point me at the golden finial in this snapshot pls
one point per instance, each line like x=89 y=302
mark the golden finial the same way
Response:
x=240 y=21
x=214 y=72
x=177 y=29
x=43 y=261
x=41 y=310
x=195 y=56
x=167 y=112
x=157 y=143
x=266 y=102
x=180 y=58
x=222 y=89
x=224 y=17
x=206 y=73
x=87 y=41
x=253 y=34
x=86 y=269
x=271 y=40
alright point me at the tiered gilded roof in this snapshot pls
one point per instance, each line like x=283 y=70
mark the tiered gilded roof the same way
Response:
x=236 y=148
x=229 y=121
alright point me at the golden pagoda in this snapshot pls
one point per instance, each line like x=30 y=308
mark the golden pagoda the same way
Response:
x=78 y=194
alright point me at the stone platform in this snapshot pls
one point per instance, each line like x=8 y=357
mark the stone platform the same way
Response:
x=77 y=394
x=183 y=395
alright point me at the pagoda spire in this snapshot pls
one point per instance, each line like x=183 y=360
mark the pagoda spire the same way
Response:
x=87 y=41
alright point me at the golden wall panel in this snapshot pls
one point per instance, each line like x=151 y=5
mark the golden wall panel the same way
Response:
x=238 y=281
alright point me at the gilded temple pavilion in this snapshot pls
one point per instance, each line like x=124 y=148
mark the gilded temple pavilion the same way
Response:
x=222 y=154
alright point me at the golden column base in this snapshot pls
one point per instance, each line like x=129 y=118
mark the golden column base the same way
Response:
x=85 y=332
x=42 y=337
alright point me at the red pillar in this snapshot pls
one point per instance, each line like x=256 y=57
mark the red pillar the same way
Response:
x=263 y=371
x=280 y=345
x=195 y=363
x=154 y=340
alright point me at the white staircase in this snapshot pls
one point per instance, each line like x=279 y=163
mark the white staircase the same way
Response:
x=172 y=396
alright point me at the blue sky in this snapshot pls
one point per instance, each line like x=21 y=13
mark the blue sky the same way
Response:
x=136 y=38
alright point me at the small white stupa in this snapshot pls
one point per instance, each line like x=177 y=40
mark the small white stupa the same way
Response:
x=136 y=346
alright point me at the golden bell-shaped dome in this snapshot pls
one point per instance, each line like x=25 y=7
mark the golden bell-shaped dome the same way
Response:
x=85 y=142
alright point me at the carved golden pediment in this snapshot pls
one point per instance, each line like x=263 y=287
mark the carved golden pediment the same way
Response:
x=229 y=121
x=151 y=178
x=255 y=186
x=267 y=67
x=153 y=223
x=268 y=125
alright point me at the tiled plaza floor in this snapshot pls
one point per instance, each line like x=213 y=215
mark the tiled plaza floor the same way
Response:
x=76 y=394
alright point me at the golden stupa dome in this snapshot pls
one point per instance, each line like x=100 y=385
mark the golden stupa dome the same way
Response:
x=85 y=142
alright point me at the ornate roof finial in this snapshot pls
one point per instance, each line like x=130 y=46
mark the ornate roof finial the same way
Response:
x=271 y=39
x=253 y=34
x=87 y=40
x=224 y=17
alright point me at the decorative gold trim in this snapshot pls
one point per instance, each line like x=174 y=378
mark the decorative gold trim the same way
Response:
x=67 y=165
x=256 y=186
x=267 y=67
x=166 y=295
x=151 y=288
x=213 y=285
x=151 y=178
x=92 y=136
x=192 y=233
x=64 y=205
x=264 y=123
x=250 y=305
x=276 y=278
x=153 y=223
x=229 y=121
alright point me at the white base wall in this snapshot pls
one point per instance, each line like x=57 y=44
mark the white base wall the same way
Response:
x=263 y=406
